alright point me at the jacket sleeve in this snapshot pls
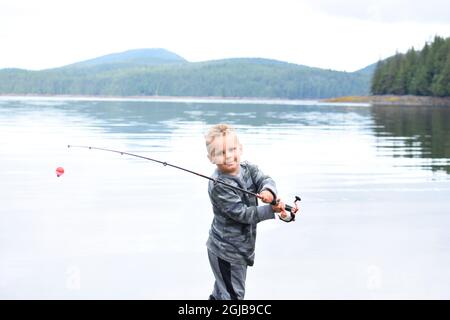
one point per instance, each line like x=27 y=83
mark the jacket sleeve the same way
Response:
x=261 y=180
x=231 y=205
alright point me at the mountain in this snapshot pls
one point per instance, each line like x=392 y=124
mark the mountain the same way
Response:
x=154 y=56
x=149 y=72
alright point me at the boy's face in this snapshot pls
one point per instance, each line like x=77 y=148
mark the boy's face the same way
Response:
x=225 y=152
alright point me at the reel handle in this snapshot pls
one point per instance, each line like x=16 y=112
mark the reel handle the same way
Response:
x=288 y=208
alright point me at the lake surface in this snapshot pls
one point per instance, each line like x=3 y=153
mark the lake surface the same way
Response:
x=374 y=182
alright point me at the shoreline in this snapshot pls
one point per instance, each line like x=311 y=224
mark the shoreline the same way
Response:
x=405 y=100
x=346 y=100
x=180 y=99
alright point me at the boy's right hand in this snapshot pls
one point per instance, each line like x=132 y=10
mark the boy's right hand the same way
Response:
x=266 y=196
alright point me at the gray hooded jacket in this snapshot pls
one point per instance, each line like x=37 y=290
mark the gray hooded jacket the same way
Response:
x=233 y=230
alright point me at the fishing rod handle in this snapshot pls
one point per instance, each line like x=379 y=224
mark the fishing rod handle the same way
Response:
x=286 y=206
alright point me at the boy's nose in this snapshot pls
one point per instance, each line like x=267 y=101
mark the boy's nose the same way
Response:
x=229 y=157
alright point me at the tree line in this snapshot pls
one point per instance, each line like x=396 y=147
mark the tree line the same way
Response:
x=423 y=73
x=223 y=78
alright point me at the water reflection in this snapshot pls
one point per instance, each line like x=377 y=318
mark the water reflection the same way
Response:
x=126 y=224
x=415 y=132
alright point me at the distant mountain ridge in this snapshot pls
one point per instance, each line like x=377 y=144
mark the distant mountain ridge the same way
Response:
x=152 y=56
x=161 y=72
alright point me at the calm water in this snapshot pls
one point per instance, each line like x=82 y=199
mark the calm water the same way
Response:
x=375 y=184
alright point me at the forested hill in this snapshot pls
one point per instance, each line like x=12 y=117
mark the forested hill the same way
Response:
x=149 y=72
x=423 y=73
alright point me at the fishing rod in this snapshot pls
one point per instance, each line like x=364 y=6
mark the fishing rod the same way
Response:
x=164 y=163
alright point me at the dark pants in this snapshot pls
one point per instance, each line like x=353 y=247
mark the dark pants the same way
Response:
x=230 y=279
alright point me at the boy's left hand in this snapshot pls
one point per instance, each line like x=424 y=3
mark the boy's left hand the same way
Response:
x=266 y=196
x=280 y=209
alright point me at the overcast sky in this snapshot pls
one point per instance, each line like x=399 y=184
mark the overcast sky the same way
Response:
x=341 y=35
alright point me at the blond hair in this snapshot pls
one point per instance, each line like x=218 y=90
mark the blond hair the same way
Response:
x=218 y=130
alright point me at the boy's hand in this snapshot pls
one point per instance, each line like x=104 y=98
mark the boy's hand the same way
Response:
x=266 y=196
x=282 y=213
x=279 y=208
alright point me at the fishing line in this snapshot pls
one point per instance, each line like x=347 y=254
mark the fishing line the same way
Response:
x=166 y=164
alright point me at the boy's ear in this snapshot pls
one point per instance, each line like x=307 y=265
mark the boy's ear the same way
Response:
x=210 y=157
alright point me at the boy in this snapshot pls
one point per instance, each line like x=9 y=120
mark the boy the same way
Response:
x=231 y=242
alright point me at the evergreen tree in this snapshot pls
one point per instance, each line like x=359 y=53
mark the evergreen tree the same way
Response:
x=377 y=79
x=441 y=86
x=399 y=75
x=424 y=72
x=410 y=66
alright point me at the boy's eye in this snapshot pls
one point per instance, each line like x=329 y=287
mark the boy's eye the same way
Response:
x=222 y=153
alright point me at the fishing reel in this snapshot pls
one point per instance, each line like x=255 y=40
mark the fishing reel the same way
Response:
x=292 y=209
x=295 y=208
